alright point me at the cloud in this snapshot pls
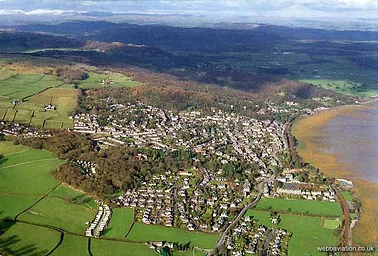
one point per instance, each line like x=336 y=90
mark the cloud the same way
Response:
x=298 y=8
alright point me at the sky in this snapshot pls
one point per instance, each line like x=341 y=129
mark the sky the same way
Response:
x=279 y=8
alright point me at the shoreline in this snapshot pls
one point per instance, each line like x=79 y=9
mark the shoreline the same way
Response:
x=307 y=131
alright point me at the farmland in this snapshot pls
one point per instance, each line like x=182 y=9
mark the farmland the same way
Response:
x=120 y=223
x=37 y=90
x=25 y=156
x=32 y=110
x=141 y=232
x=11 y=205
x=70 y=195
x=24 y=239
x=95 y=80
x=308 y=232
x=17 y=179
x=59 y=213
x=101 y=247
x=300 y=206
x=331 y=224
x=23 y=85
x=72 y=245
x=7 y=148
x=345 y=87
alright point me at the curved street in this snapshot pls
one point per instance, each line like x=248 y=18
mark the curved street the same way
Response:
x=224 y=235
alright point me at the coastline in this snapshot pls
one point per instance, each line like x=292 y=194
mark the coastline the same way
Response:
x=307 y=130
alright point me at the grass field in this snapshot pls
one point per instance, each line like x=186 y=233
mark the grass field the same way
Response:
x=18 y=178
x=114 y=248
x=347 y=195
x=120 y=222
x=28 y=240
x=120 y=80
x=63 y=191
x=142 y=233
x=343 y=86
x=59 y=213
x=72 y=245
x=23 y=85
x=25 y=156
x=331 y=224
x=65 y=101
x=308 y=232
x=11 y=205
x=74 y=197
x=6 y=74
x=300 y=206
x=37 y=90
x=7 y=148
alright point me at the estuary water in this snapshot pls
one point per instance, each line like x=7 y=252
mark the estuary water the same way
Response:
x=352 y=136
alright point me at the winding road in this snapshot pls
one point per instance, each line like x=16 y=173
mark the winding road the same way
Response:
x=224 y=235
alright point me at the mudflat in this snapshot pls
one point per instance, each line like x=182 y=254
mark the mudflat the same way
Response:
x=314 y=138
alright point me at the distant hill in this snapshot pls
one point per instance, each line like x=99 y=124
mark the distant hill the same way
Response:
x=21 y=41
x=179 y=38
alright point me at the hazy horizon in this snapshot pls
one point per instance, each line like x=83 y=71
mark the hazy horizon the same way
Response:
x=356 y=12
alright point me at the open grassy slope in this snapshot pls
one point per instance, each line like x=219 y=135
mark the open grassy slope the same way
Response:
x=27 y=240
x=300 y=206
x=142 y=232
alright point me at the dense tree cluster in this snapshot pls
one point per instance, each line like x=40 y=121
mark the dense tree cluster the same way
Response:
x=71 y=76
x=123 y=168
x=63 y=144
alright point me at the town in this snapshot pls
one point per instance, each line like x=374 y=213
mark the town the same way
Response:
x=198 y=199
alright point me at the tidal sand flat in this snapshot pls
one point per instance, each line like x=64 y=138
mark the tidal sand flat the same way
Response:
x=343 y=143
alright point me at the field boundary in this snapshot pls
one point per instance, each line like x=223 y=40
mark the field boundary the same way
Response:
x=39 y=200
x=10 y=77
x=59 y=243
x=130 y=228
x=295 y=213
x=29 y=162
x=41 y=91
x=89 y=246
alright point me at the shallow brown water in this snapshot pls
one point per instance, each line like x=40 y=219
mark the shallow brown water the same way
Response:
x=352 y=136
x=343 y=143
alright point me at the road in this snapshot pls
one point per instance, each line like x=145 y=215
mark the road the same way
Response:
x=347 y=234
x=267 y=242
x=223 y=237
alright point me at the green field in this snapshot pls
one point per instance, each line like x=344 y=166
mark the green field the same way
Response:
x=347 y=196
x=33 y=89
x=343 y=86
x=308 y=232
x=25 y=156
x=18 y=179
x=38 y=90
x=120 y=222
x=120 y=80
x=74 y=197
x=7 y=148
x=63 y=191
x=24 y=85
x=331 y=224
x=11 y=205
x=142 y=233
x=28 y=240
x=72 y=245
x=59 y=213
x=300 y=206
x=115 y=248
